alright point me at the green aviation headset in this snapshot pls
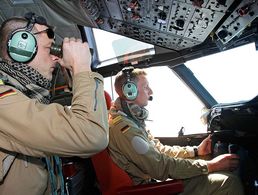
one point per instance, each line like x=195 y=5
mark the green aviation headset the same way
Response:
x=129 y=88
x=22 y=44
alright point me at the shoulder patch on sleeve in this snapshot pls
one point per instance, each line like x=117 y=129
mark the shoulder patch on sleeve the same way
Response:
x=125 y=128
x=140 y=145
x=121 y=124
x=122 y=127
x=6 y=93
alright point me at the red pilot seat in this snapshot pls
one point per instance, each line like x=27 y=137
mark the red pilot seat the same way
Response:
x=115 y=181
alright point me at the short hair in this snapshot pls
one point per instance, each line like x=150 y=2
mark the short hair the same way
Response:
x=7 y=28
x=121 y=79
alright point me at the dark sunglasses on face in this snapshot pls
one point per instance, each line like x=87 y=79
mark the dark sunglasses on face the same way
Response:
x=50 y=33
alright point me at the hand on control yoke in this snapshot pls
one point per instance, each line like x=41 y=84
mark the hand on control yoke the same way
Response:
x=224 y=162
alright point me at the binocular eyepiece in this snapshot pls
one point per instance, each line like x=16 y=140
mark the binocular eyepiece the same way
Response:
x=56 y=50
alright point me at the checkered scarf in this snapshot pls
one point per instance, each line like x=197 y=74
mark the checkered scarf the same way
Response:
x=27 y=80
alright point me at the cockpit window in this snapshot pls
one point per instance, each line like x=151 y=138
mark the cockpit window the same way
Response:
x=229 y=76
x=118 y=48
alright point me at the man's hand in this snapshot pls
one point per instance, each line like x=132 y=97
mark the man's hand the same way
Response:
x=76 y=55
x=205 y=146
x=224 y=162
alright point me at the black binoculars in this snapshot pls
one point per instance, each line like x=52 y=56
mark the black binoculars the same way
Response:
x=56 y=50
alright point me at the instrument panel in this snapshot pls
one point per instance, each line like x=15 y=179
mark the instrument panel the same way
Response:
x=173 y=24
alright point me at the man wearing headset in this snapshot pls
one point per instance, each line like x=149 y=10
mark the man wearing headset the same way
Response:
x=33 y=131
x=144 y=158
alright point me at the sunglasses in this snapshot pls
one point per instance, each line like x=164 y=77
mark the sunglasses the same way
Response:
x=50 y=33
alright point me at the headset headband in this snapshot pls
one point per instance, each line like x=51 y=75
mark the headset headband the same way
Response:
x=33 y=19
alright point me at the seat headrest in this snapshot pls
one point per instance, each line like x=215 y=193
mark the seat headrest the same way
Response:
x=108 y=99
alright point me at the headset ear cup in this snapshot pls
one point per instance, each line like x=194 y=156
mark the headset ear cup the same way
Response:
x=22 y=46
x=130 y=91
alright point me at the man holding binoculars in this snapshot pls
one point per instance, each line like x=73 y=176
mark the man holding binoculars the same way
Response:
x=34 y=131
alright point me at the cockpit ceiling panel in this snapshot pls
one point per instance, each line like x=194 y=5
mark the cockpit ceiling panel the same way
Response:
x=239 y=19
x=177 y=24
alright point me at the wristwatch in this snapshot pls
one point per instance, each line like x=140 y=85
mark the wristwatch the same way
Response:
x=195 y=151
